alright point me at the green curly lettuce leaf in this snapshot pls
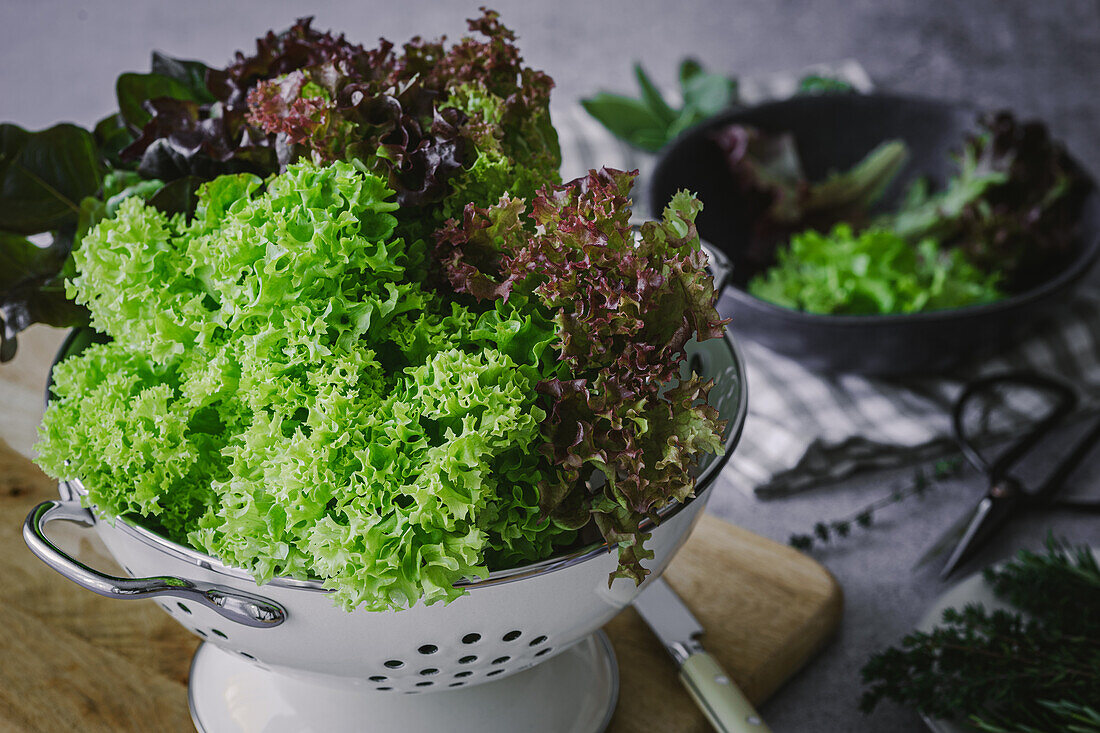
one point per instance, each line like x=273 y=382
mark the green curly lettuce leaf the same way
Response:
x=118 y=418
x=875 y=271
x=280 y=392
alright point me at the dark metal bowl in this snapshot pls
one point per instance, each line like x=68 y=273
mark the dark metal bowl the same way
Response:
x=833 y=132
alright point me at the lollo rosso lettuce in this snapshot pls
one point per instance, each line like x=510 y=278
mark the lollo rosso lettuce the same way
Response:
x=622 y=429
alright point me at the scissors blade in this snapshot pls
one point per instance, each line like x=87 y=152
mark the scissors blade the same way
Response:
x=947 y=541
x=988 y=516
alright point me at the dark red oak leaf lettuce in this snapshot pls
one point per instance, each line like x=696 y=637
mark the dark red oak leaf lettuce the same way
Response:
x=299 y=47
x=1027 y=224
x=422 y=118
x=445 y=125
x=623 y=430
x=187 y=138
x=775 y=199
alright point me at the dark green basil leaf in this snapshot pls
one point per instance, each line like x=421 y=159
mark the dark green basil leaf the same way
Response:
x=32 y=288
x=111 y=136
x=627 y=118
x=178 y=197
x=44 y=175
x=818 y=84
x=652 y=97
x=708 y=94
x=21 y=259
x=192 y=74
x=135 y=89
x=651 y=140
x=689 y=69
x=683 y=121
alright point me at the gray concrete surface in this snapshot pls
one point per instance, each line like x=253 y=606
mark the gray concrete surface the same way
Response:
x=59 y=59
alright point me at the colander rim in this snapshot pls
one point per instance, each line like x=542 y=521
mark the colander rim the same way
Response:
x=496 y=577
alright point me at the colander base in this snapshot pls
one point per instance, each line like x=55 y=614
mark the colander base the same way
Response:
x=574 y=691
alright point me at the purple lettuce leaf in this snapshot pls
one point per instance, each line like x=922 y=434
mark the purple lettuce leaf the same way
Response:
x=776 y=198
x=619 y=440
x=1025 y=225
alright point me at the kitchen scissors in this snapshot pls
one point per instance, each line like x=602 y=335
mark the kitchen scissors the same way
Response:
x=1006 y=495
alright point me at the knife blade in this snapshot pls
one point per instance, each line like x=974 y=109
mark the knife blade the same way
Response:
x=726 y=707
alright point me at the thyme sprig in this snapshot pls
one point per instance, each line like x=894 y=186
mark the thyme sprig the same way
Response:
x=1035 y=670
x=918 y=486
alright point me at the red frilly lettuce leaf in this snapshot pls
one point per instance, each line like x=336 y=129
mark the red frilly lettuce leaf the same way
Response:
x=1026 y=225
x=623 y=430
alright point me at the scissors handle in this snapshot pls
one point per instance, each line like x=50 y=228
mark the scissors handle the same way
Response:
x=1065 y=400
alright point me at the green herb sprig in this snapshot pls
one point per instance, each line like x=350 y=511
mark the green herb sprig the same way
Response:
x=918 y=486
x=648 y=121
x=818 y=84
x=1036 y=670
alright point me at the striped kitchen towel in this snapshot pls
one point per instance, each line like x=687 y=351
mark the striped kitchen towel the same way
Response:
x=805 y=429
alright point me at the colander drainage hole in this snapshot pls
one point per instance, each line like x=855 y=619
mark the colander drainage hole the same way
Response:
x=166 y=607
x=495 y=672
x=395 y=664
x=468 y=660
x=378 y=678
x=541 y=652
x=215 y=632
x=428 y=672
x=183 y=608
x=467 y=673
x=426 y=683
x=201 y=633
x=536 y=641
x=428 y=649
x=512 y=635
x=246 y=655
x=456 y=684
x=501 y=660
x=383 y=689
x=471 y=638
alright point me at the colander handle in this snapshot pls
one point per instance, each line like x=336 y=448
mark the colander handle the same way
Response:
x=243 y=608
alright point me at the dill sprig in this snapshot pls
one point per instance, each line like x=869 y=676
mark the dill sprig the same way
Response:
x=1036 y=670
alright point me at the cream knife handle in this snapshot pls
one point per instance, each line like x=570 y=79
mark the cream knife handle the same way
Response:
x=725 y=706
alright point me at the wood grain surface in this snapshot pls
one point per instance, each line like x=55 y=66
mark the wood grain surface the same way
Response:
x=74 y=661
x=766 y=609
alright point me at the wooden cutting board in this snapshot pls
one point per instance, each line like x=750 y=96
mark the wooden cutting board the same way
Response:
x=76 y=661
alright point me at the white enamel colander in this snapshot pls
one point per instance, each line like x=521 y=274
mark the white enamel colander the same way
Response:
x=282 y=656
